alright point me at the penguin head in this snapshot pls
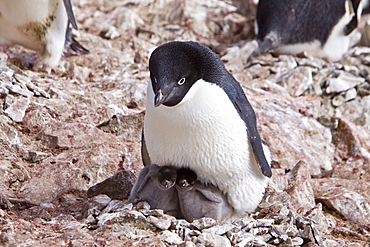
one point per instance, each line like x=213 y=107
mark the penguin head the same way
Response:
x=186 y=179
x=167 y=177
x=175 y=66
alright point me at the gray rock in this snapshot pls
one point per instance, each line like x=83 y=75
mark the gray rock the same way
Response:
x=17 y=110
x=316 y=149
x=210 y=239
x=25 y=82
x=110 y=33
x=299 y=187
x=356 y=111
x=297 y=81
x=117 y=187
x=204 y=223
x=170 y=237
x=7 y=133
x=343 y=82
x=341 y=195
x=220 y=229
x=162 y=223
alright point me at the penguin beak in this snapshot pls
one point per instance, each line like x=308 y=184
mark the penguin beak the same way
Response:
x=160 y=98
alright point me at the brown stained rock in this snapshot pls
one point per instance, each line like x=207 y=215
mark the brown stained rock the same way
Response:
x=283 y=128
x=128 y=127
x=344 y=141
x=117 y=187
x=299 y=187
x=17 y=110
x=349 y=198
x=350 y=144
x=303 y=75
x=73 y=171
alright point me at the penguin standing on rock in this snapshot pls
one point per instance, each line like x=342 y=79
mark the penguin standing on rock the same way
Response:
x=40 y=25
x=321 y=28
x=198 y=117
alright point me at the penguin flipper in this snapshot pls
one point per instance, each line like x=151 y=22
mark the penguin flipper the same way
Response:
x=71 y=16
x=208 y=194
x=145 y=174
x=144 y=151
x=247 y=113
x=352 y=25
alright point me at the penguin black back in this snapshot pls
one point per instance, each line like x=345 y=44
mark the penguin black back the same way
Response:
x=300 y=21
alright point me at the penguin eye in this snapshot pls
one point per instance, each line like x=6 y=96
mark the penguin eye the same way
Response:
x=181 y=81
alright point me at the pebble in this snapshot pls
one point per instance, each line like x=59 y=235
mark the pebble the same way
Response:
x=210 y=239
x=343 y=82
x=204 y=223
x=17 y=109
x=161 y=223
x=282 y=226
x=170 y=237
x=110 y=33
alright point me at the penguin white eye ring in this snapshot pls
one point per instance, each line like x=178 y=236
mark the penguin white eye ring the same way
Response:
x=181 y=81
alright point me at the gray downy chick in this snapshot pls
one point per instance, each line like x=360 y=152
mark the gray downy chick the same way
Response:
x=198 y=200
x=156 y=185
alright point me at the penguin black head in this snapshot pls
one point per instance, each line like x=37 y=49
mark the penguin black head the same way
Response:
x=186 y=178
x=176 y=66
x=167 y=177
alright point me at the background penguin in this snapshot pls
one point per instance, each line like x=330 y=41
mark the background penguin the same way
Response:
x=40 y=25
x=198 y=200
x=321 y=28
x=156 y=185
x=198 y=117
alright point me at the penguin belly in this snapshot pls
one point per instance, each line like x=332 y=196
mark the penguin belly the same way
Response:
x=205 y=133
x=39 y=25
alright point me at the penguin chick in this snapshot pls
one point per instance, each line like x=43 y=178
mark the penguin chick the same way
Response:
x=198 y=117
x=198 y=200
x=40 y=25
x=320 y=28
x=156 y=185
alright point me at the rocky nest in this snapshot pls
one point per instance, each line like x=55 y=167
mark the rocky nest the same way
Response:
x=70 y=139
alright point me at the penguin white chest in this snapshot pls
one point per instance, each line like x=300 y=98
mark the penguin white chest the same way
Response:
x=38 y=24
x=205 y=133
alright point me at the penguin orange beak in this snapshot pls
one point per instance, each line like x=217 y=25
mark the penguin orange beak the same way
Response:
x=160 y=98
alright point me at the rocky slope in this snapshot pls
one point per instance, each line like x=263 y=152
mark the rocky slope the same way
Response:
x=72 y=136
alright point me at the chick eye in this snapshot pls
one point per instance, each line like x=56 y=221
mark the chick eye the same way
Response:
x=181 y=81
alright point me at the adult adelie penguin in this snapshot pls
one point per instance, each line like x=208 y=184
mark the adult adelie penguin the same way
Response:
x=198 y=117
x=40 y=25
x=321 y=28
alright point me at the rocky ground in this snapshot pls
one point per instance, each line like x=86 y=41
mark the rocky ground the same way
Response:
x=70 y=139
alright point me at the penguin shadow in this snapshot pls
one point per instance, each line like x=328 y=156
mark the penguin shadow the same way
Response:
x=178 y=193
